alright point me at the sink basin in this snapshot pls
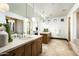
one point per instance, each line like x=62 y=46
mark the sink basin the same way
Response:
x=28 y=37
x=23 y=37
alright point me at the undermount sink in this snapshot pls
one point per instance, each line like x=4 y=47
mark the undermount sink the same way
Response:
x=23 y=36
x=29 y=37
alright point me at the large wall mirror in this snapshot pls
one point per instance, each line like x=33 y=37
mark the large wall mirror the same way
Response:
x=16 y=25
x=11 y=21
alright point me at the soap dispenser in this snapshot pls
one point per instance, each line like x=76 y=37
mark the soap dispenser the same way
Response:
x=3 y=37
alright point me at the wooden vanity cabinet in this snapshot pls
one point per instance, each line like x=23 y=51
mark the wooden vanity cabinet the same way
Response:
x=17 y=52
x=33 y=48
x=28 y=49
x=21 y=51
x=46 y=37
x=37 y=47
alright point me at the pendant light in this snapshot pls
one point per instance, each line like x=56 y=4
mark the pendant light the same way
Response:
x=33 y=17
x=4 y=7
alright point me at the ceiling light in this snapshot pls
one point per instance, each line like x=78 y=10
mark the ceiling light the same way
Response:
x=26 y=20
x=12 y=21
x=4 y=7
x=64 y=9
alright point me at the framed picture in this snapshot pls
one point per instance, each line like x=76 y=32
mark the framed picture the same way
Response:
x=54 y=20
x=62 y=20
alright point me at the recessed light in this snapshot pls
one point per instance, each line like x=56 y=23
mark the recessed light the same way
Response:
x=64 y=9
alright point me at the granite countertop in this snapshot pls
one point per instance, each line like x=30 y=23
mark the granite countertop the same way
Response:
x=17 y=42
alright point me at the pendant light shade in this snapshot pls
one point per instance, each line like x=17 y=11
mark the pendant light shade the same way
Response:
x=4 y=7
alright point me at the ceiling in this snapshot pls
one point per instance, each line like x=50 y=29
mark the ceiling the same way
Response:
x=46 y=10
x=22 y=9
x=18 y=8
x=50 y=10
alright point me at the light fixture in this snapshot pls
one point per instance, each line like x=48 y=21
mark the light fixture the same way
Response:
x=12 y=21
x=4 y=7
x=33 y=19
x=26 y=20
x=64 y=10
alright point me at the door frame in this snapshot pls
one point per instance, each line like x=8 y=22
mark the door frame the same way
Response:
x=69 y=29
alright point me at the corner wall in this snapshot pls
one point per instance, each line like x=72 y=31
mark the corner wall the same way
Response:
x=72 y=14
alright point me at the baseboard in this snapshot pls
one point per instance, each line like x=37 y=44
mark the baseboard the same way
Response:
x=58 y=38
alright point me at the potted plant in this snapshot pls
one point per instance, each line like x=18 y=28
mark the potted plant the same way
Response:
x=8 y=31
x=0 y=24
x=45 y=29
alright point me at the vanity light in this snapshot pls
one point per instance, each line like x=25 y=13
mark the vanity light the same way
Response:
x=4 y=7
x=33 y=19
x=12 y=21
x=26 y=20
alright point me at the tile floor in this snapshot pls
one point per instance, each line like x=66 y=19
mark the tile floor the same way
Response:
x=57 y=47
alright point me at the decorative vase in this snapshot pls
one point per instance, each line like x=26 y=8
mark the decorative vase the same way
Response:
x=3 y=37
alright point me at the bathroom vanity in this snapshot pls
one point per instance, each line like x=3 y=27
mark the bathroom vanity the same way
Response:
x=28 y=46
x=46 y=37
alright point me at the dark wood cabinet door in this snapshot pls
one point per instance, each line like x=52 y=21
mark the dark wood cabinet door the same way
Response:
x=17 y=52
x=39 y=46
x=28 y=49
x=46 y=37
x=34 y=48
